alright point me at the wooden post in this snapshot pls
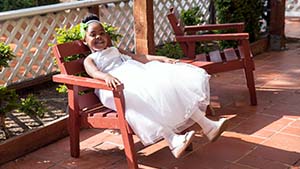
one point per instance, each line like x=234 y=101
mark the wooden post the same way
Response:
x=94 y=10
x=277 y=18
x=144 y=26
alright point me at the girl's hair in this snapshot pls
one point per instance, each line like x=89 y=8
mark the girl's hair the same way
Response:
x=85 y=21
x=90 y=17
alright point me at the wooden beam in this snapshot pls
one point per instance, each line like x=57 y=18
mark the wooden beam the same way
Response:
x=94 y=10
x=144 y=26
x=277 y=21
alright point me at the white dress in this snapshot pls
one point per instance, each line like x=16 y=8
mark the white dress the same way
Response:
x=157 y=95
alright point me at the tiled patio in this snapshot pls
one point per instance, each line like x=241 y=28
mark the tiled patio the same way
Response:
x=266 y=136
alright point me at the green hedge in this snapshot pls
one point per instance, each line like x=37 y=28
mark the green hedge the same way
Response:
x=7 y=5
x=247 y=11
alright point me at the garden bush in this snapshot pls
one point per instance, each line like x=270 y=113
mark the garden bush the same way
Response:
x=192 y=16
x=247 y=11
x=9 y=99
x=171 y=50
x=6 y=55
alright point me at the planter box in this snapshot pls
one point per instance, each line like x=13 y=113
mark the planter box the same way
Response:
x=33 y=140
x=259 y=46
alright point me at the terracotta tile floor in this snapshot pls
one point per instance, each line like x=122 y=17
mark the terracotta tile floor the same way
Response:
x=266 y=136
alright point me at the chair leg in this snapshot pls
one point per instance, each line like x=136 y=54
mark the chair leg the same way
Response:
x=74 y=134
x=251 y=86
x=129 y=148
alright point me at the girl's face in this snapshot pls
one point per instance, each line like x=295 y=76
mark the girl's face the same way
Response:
x=96 y=38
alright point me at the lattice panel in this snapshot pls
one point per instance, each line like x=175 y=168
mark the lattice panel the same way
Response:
x=163 y=30
x=29 y=38
x=292 y=8
x=121 y=16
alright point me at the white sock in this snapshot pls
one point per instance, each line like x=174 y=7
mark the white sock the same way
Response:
x=172 y=138
x=205 y=123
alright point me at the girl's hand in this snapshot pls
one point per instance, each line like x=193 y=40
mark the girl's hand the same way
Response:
x=170 y=60
x=111 y=81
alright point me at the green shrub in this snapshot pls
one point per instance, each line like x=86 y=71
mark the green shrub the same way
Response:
x=247 y=11
x=192 y=16
x=170 y=50
x=112 y=32
x=32 y=106
x=8 y=100
x=6 y=55
x=64 y=35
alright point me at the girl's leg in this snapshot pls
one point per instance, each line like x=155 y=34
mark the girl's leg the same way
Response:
x=212 y=129
x=177 y=143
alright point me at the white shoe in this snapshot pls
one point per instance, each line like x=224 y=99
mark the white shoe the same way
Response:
x=215 y=133
x=187 y=139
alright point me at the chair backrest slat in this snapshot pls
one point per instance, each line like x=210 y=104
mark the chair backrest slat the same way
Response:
x=62 y=51
x=73 y=67
x=177 y=27
x=86 y=96
x=230 y=54
x=71 y=48
x=215 y=56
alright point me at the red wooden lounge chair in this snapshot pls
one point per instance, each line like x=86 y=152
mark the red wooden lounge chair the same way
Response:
x=216 y=61
x=85 y=110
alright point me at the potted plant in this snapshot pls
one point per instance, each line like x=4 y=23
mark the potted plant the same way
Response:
x=8 y=98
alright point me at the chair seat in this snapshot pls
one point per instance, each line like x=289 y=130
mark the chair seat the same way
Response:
x=90 y=117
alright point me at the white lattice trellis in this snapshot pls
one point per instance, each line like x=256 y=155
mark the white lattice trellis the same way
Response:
x=30 y=43
x=292 y=8
x=29 y=31
x=121 y=16
x=163 y=30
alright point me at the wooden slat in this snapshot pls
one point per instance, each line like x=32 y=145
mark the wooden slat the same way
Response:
x=112 y=114
x=174 y=23
x=223 y=66
x=201 y=57
x=99 y=112
x=215 y=56
x=88 y=101
x=238 y=53
x=74 y=67
x=99 y=122
x=240 y=49
x=84 y=81
x=71 y=48
x=230 y=54
x=239 y=27
x=201 y=63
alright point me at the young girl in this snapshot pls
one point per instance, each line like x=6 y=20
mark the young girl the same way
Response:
x=162 y=97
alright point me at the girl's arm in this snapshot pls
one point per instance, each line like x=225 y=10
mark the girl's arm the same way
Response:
x=148 y=58
x=92 y=70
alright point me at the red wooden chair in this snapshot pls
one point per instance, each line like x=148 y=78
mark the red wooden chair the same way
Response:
x=85 y=110
x=216 y=61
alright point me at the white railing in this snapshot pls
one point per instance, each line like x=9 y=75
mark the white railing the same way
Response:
x=29 y=31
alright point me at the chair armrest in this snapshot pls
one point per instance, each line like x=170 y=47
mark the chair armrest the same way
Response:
x=210 y=37
x=84 y=82
x=194 y=28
